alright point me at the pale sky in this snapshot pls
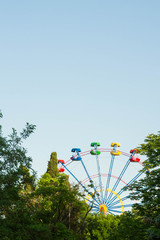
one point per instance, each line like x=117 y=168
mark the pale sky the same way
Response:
x=82 y=71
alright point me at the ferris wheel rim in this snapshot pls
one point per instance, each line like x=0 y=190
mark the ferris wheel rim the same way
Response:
x=87 y=152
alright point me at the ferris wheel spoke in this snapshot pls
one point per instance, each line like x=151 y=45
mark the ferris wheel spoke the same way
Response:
x=109 y=177
x=96 y=153
x=132 y=180
x=111 y=213
x=119 y=206
x=114 y=211
x=90 y=179
x=96 y=208
x=117 y=202
x=118 y=180
x=92 y=203
x=123 y=189
x=120 y=177
x=79 y=182
x=99 y=176
x=122 y=199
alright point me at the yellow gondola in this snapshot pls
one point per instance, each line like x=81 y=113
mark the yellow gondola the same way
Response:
x=117 y=153
x=117 y=144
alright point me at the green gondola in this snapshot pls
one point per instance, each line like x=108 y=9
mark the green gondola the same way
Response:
x=93 y=152
x=95 y=144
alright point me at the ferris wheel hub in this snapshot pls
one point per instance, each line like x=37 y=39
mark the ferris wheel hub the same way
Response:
x=103 y=209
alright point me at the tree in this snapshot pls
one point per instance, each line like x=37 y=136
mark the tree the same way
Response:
x=14 y=165
x=52 y=165
x=148 y=189
x=59 y=203
x=16 y=177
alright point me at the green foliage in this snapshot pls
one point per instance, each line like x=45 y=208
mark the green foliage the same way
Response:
x=52 y=165
x=58 y=201
x=17 y=179
x=148 y=189
x=131 y=226
x=100 y=227
x=151 y=149
x=15 y=167
x=62 y=233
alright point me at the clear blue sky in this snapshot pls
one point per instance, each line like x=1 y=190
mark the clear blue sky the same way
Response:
x=82 y=71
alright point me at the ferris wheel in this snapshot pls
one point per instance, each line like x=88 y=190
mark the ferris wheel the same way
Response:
x=104 y=174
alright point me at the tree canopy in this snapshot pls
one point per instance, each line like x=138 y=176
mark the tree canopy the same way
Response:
x=148 y=189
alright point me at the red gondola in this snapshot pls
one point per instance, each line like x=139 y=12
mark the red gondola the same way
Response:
x=136 y=151
x=61 y=169
x=62 y=161
x=134 y=159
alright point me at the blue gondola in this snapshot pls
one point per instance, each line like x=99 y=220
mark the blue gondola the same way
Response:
x=76 y=150
x=76 y=158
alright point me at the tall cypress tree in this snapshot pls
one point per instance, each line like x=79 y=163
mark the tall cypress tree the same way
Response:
x=52 y=165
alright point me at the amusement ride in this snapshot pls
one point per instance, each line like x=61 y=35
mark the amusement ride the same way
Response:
x=104 y=174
